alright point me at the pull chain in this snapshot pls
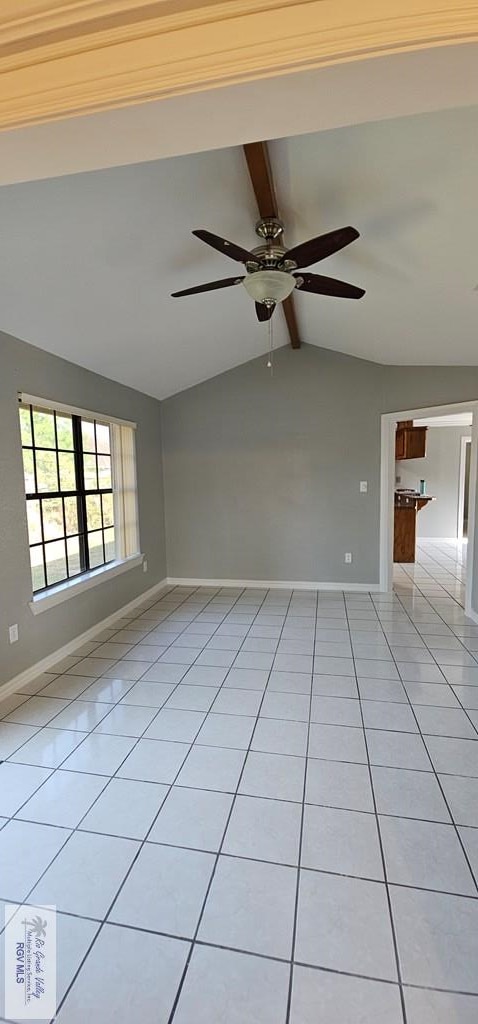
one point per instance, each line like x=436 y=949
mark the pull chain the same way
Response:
x=269 y=361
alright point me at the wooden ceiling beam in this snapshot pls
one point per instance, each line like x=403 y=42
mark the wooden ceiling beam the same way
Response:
x=291 y=320
x=260 y=172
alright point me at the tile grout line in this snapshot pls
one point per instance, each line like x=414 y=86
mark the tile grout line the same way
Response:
x=142 y=843
x=438 y=780
x=382 y=855
x=219 y=851
x=74 y=830
x=268 y=957
x=133 y=862
x=85 y=737
x=301 y=831
x=58 y=767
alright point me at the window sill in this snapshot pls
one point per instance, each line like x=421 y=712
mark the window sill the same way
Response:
x=63 y=592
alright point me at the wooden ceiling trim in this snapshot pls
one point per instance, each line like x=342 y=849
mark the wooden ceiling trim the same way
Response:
x=69 y=57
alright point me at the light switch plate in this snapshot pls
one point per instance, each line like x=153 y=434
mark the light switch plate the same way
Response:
x=363 y=486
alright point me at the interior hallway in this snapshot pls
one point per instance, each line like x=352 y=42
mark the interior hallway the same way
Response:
x=163 y=787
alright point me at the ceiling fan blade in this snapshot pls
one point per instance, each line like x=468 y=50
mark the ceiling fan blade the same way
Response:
x=235 y=252
x=328 y=286
x=319 y=248
x=227 y=282
x=264 y=312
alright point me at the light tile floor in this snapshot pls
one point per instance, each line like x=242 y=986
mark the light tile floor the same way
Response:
x=257 y=807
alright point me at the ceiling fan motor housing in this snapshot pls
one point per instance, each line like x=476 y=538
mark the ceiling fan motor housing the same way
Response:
x=269 y=228
x=271 y=254
x=270 y=279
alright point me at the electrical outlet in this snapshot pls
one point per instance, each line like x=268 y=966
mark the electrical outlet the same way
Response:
x=363 y=486
x=145 y=564
x=348 y=557
x=13 y=633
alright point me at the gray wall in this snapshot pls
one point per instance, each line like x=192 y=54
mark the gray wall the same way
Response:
x=262 y=473
x=29 y=369
x=441 y=471
x=420 y=387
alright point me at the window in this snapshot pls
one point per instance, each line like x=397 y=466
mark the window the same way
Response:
x=80 y=488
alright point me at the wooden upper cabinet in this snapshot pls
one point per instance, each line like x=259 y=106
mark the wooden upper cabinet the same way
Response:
x=410 y=441
x=416 y=443
x=400 y=444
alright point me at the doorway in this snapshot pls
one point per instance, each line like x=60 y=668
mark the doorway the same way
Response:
x=464 y=489
x=387 y=489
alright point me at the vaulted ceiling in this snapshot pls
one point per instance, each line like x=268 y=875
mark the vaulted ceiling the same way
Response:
x=88 y=261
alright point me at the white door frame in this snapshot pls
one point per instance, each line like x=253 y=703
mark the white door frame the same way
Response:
x=461 y=486
x=387 y=488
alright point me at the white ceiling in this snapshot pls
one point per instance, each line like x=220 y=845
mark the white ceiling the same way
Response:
x=88 y=261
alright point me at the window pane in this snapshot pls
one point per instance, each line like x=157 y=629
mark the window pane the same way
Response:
x=88 y=435
x=56 y=517
x=110 y=550
x=67 y=471
x=89 y=469
x=64 y=430
x=25 y=425
x=28 y=471
x=93 y=512
x=71 y=515
x=47 y=474
x=73 y=548
x=55 y=562
x=103 y=443
x=44 y=429
x=108 y=514
x=52 y=512
x=34 y=522
x=95 y=545
x=104 y=470
x=36 y=563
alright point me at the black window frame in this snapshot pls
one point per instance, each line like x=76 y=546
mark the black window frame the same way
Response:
x=81 y=493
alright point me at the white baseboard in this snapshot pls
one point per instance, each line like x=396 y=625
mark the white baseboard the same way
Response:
x=46 y=663
x=51 y=659
x=359 y=588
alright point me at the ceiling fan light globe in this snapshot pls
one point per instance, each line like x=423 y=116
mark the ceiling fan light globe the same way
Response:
x=269 y=286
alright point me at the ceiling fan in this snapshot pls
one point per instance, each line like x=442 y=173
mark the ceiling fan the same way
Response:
x=271 y=269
